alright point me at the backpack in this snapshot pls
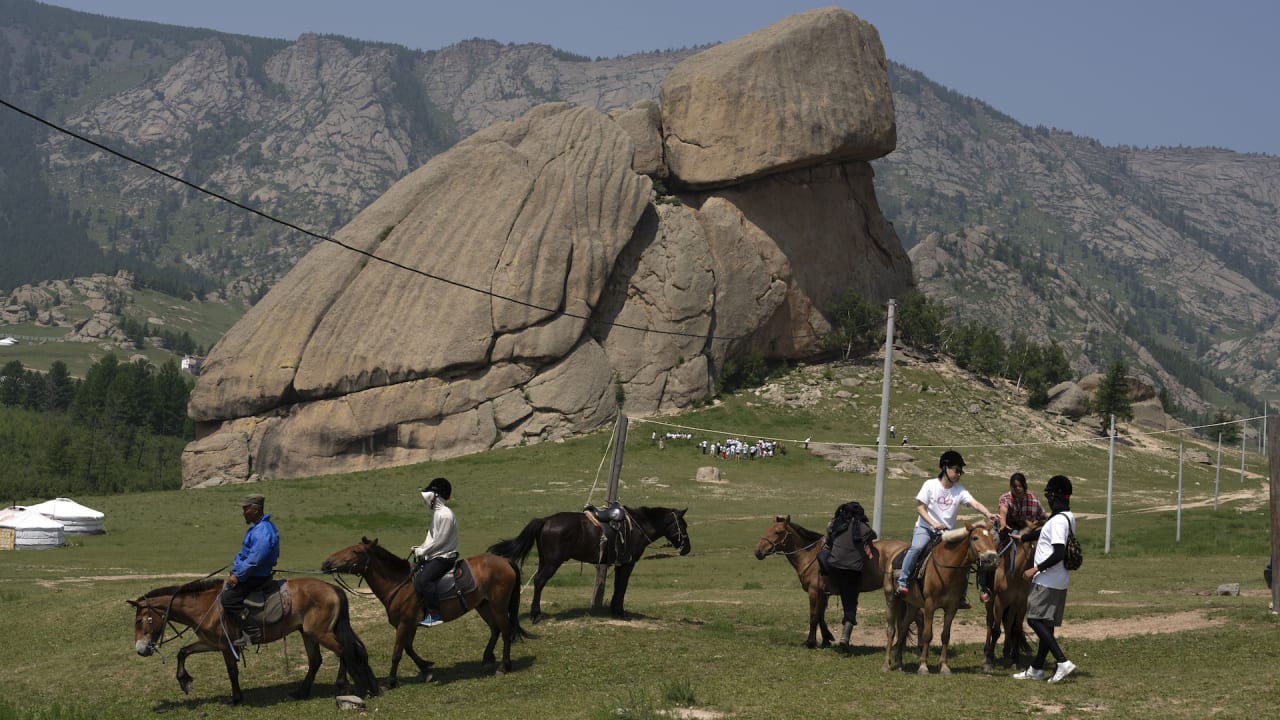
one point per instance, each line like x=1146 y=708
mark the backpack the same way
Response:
x=843 y=519
x=1075 y=554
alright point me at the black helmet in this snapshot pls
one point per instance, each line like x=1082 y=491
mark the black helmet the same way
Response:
x=950 y=458
x=441 y=487
x=1058 y=486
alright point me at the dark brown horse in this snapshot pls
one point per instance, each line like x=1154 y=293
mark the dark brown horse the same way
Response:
x=496 y=599
x=940 y=583
x=572 y=536
x=1007 y=608
x=800 y=546
x=319 y=612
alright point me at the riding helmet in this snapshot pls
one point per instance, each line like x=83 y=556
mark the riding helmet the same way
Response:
x=1058 y=486
x=441 y=487
x=950 y=458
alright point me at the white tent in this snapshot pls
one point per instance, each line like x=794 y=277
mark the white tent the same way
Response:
x=31 y=530
x=75 y=518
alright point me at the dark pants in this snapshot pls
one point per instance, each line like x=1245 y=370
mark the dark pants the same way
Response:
x=424 y=581
x=847 y=583
x=232 y=598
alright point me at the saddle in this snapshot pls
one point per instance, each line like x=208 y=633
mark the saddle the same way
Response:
x=264 y=607
x=614 y=524
x=457 y=583
x=924 y=557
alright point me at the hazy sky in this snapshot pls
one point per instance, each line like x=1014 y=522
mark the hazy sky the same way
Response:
x=1137 y=72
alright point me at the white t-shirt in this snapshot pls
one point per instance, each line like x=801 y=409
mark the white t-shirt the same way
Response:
x=942 y=503
x=1053 y=533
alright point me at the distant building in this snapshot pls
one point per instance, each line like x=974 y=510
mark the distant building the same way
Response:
x=5 y=342
x=192 y=364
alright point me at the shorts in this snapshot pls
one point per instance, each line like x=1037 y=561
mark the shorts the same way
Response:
x=1045 y=603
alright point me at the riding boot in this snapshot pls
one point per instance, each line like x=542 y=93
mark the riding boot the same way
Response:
x=845 y=632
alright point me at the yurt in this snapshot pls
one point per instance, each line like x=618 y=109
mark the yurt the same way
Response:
x=76 y=519
x=31 y=530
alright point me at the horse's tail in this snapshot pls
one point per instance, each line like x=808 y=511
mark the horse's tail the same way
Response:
x=513 y=606
x=517 y=548
x=354 y=654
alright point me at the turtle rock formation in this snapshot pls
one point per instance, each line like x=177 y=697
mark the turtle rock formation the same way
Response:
x=529 y=283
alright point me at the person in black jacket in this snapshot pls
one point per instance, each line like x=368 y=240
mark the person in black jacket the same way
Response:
x=849 y=537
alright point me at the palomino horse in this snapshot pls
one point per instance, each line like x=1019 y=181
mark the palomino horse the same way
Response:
x=1007 y=608
x=496 y=599
x=319 y=612
x=571 y=536
x=940 y=583
x=800 y=546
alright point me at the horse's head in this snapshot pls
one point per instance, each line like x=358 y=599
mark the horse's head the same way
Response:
x=353 y=559
x=775 y=538
x=148 y=625
x=676 y=530
x=983 y=543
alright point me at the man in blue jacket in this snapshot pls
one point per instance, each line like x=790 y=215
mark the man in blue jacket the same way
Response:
x=253 y=565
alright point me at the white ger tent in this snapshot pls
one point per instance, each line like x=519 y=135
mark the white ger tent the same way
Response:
x=76 y=519
x=31 y=530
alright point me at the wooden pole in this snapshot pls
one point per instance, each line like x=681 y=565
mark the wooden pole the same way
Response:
x=1273 y=461
x=611 y=495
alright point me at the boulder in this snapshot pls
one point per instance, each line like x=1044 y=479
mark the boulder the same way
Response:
x=809 y=90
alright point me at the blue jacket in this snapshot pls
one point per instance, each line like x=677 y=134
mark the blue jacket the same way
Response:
x=259 y=552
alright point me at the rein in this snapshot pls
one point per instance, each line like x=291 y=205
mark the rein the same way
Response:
x=773 y=545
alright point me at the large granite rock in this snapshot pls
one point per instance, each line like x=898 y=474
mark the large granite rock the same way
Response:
x=526 y=284
x=810 y=89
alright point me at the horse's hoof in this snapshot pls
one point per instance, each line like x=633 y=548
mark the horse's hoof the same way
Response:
x=231 y=701
x=299 y=695
x=944 y=670
x=499 y=672
x=923 y=670
x=811 y=644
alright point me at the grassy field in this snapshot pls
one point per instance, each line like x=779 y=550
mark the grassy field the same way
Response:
x=716 y=633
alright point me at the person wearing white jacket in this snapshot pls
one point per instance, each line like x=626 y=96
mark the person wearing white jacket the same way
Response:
x=438 y=552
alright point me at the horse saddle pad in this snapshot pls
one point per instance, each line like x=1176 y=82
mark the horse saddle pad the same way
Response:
x=460 y=582
x=270 y=604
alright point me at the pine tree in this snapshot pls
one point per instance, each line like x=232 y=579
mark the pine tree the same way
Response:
x=1113 y=394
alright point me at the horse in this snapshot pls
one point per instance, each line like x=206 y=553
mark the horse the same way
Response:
x=943 y=578
x=572 y=536
x=496 y=599
x=800 y=546
x=319 y=612
x=1007 y=608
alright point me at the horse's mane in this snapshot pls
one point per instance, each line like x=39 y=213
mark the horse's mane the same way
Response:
x=806 y=534
x=195 y=586
x=389 y=558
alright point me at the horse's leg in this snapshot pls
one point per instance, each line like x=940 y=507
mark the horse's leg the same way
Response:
x=948 y=614
x=817 y=607
x=184 y=678
x=406 y=631
x=926 y=637
x=994 y=621
x=823 y=600
x=546 y=570
x=233 y=674
x=313 y=666
x=621 y=577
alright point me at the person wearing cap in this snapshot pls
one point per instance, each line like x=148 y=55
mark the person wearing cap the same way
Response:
x=937 y=505
x=438 y=552
x=251 y=570
x=1049 y=580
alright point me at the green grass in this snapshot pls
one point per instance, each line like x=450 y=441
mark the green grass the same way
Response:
x=716 y=630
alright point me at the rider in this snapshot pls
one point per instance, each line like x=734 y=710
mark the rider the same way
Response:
x=937 y=504
x=253 y=565
x=1019 y=509
x=438 y=552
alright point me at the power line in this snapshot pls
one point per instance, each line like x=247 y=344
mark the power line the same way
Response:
x=370 y=255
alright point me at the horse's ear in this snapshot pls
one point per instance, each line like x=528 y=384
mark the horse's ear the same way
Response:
x=364 y=540
x=781 y=519
x=374 y=543
x=132 y=602
x=682 y=512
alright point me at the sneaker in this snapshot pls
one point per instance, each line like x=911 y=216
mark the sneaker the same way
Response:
x=1029 y=674
x=964 y=603
x=1065 y=668
x=985 y=597
x=430 y=621
x=903 y=591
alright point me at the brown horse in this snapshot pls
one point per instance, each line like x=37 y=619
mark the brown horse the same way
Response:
x=940 y=583
x=319 y=612
x=800 y=546
x=571 y=536
x=496 y=599
x=1007 y=608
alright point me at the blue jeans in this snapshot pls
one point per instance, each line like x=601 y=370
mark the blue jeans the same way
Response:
x=920 y=537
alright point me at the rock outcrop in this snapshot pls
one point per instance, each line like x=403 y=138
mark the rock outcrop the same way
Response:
x=521 y=286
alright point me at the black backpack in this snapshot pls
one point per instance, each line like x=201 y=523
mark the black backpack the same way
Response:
x=843 y=520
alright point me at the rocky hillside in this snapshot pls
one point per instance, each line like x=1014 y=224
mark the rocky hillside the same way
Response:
x=1163 y=257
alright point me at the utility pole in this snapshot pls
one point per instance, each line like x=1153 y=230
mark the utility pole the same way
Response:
x=877 y=514
x=1111 y=466
x=611 y=495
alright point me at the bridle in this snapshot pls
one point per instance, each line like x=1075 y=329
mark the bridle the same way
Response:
x=774 y=544
x=360 y=572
